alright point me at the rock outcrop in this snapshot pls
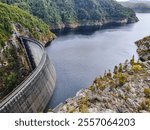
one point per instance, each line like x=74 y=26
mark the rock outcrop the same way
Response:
x=144 y=48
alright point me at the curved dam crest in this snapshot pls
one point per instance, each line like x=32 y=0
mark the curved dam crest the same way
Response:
x=33 y=94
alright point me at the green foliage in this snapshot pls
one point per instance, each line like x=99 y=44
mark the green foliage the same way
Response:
x=116 y=70
x=2 y=43
x=147 y=92
x=122 y=79
x=120 y=68
x=109 y=74
x=91 y=88
x=145 y=105
x=9 y=72
x=10 y=81
x=140 y=7
x=57 y=12
x=128 y=88
x=12 y=14
x=132 y=61
x=137 y=68
x=83 y=105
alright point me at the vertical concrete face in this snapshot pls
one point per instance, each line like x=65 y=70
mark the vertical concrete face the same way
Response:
x=35 y=92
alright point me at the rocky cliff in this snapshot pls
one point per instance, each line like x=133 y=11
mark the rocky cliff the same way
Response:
x=126 y=89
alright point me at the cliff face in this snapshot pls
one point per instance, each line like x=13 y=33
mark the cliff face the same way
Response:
x=74 y=13
x=127 y=89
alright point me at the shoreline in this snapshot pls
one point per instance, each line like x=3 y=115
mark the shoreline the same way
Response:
x=90 y=26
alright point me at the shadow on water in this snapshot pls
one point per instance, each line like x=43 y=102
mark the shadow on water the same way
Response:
x=87 y=30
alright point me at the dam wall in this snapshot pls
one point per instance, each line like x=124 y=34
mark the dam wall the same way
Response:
x=34 y=93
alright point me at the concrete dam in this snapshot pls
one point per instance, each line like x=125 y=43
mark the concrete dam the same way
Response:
x=34 y=93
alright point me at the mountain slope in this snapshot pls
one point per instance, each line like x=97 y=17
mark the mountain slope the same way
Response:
x=73 y=13
x=138 y=0
x=12 y=14
x=140 y=7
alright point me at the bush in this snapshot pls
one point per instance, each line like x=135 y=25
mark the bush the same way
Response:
x=83 y=104
x=147 y=92
x=132 y=61
x=120 y=68
x=137 y=68
x=116 y=70
x=10 y=81
x=122 y=79
x=145 y=105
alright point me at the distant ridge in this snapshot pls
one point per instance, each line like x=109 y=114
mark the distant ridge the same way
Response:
x=138 y=0
x=139 y=6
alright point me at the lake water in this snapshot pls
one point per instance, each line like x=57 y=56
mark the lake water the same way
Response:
x=80 y=58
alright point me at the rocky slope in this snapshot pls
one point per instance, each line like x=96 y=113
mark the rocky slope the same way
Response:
x=74 y=13
x=127 y=89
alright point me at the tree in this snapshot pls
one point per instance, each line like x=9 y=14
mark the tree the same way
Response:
x=120 y=68
x=132 y=61
x=116 y=70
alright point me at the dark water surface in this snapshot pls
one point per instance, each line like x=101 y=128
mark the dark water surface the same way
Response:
x=80 y=58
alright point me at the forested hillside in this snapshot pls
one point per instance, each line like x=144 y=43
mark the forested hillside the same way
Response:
x=12 y=14
x=73 y=13
x=140 y=7
x=138 y=1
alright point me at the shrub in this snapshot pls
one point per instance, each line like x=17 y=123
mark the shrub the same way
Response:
x=137 y=68
x=128 y=88
x=147 y=92
x=83 y=104
x=145 y=105
x=91 y=88
x=109 y=74
x=122 y=79
x=132 y=61
x=120 y=68
x=116 y=70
